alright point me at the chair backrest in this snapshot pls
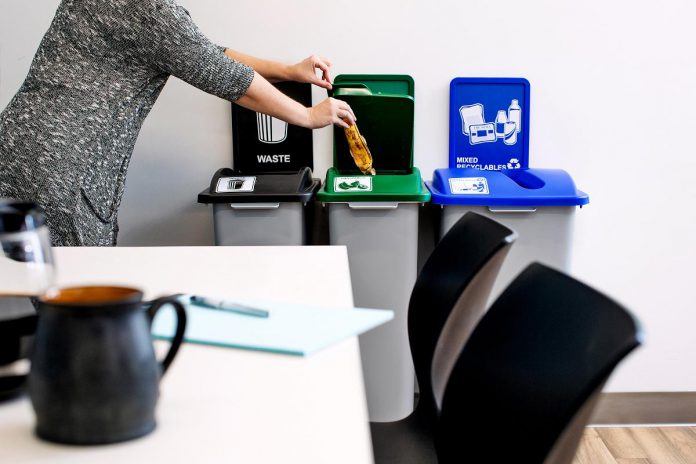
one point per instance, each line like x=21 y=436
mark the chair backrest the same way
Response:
x=536 y=358
x=456 y=279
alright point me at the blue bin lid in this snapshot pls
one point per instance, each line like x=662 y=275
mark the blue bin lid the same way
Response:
x=516 y=187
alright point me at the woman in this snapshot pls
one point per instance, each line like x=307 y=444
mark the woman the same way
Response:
x=67 y=136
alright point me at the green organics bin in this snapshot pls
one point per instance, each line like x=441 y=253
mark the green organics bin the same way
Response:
x=376 y=217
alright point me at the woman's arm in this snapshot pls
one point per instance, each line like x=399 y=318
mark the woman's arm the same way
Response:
x=165 y=34
x=264 y=98
x=304 y=71
x=272 y=71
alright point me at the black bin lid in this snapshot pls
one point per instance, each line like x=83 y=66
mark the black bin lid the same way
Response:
x=230 y=186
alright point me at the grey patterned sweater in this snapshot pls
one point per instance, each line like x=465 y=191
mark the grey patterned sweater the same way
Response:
x=67 y=136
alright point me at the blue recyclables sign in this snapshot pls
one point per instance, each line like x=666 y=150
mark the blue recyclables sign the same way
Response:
x=489 y=123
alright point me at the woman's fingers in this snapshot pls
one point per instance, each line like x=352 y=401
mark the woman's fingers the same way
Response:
x=331 y=111
x=346 y=118
x=324 y=65
x=346 y=107
x=344 y=113
x=322 y=83
x=306 y=71
x=340 y=122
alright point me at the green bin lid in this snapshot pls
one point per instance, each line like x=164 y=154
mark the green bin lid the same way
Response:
x=384 y=107
x=343 y=188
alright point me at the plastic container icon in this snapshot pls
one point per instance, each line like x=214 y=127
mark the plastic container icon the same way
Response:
x=472 y=115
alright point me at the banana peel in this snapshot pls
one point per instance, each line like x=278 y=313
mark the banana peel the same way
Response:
x=357 y=146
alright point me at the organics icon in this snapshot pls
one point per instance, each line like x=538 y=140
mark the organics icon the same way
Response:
x=353 y=184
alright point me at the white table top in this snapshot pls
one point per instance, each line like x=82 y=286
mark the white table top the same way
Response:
x=222 y=405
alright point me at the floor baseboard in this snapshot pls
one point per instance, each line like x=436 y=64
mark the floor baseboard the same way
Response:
x=645 y=408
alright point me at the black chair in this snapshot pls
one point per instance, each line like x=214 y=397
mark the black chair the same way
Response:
x=448 y=299
x=527 y=380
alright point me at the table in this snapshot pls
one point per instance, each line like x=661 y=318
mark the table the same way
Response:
x=223 y=405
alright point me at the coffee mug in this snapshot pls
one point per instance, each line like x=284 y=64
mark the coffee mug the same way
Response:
x=94 y=378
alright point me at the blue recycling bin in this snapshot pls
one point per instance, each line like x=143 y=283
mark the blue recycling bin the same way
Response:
x=489 y=174
x=539 y=204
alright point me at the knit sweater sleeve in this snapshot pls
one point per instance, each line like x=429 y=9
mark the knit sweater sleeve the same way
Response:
x=166 y=36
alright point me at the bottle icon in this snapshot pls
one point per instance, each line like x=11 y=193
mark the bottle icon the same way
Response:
x=510 y=133
x=500 y=122
x=515 y=115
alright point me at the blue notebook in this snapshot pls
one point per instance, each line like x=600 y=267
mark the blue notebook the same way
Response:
x=289 y=329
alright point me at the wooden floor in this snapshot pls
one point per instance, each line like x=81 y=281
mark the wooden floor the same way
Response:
x=663 y=445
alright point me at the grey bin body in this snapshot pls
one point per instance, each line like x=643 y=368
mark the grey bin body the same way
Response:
x=539 y=204
x=260 y=209
x=545 y=234
x=262 y=224
x=376 y=217
x=382 y=242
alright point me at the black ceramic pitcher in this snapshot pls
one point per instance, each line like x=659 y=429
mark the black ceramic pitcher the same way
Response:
x=94 y=378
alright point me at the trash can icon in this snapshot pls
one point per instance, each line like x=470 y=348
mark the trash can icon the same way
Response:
x=236 y=184
x=270 y=129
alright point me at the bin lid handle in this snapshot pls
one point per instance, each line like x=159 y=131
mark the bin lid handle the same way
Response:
x=254 y=205
x=373 y=205
x=511 y=209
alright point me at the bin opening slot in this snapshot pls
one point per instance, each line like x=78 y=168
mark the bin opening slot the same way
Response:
x=386 y=123
x=525 y=179
x=388 y=163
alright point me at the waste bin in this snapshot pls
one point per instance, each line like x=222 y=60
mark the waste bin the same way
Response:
x=260 y=209
x=539 y=204
x=376 y=217
x=489 y=174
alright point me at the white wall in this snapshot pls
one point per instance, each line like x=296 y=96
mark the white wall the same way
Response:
x=613 y=102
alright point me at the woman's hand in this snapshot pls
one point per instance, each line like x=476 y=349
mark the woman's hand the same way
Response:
x=306 y=71
x=330 y=111
x=261 y=96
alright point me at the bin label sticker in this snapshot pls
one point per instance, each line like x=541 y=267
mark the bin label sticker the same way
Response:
x=469 y=186
x=353 y=184
x=235 y=184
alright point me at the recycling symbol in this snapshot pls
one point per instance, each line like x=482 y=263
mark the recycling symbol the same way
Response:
x=514 y=163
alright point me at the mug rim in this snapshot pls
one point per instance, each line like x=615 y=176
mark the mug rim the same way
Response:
x=130 y=295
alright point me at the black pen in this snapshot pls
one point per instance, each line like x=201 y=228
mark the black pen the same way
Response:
x=228 y=306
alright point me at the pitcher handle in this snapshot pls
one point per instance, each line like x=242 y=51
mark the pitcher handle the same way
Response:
x=180 y=326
